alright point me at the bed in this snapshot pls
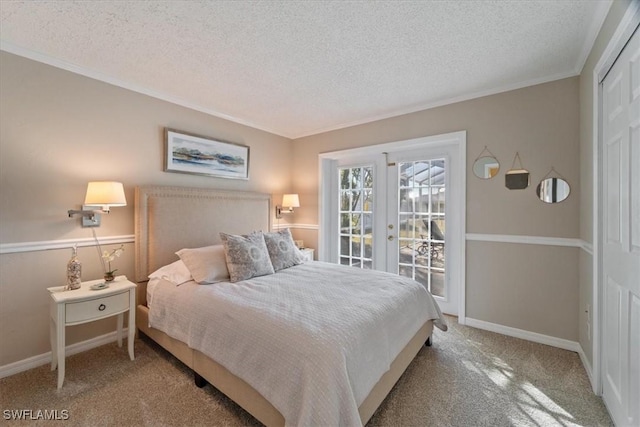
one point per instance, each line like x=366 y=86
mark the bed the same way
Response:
x=168 y=219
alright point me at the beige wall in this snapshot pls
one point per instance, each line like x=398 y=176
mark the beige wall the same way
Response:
x=60 y=130
x=541 y=123
x=617 y=11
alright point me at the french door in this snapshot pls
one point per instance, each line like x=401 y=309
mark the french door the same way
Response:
x=418 y=189
x=402 y=211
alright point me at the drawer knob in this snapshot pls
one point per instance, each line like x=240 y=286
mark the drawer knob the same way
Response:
x=101 y=307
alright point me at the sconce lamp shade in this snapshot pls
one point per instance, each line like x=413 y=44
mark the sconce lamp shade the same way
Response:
x=290 y=201
x=105 y=194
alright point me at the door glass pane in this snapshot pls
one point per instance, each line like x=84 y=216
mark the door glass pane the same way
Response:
x=421 y=199
x=368 y=247
x=421 y=222
x=405 y=226
x=344 y=179
x=356 y=201
x=355 y=247
x=367 y=205
x=356 y=216
x=345 y=200
x=344 y=245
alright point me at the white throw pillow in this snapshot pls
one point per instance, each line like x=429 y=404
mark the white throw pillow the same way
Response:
x=176 y=273
x=207 y=264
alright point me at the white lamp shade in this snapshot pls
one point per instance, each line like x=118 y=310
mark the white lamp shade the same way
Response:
x=290 y=201
x=105 y=193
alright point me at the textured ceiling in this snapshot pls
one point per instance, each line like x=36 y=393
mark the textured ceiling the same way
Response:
x=297 y=68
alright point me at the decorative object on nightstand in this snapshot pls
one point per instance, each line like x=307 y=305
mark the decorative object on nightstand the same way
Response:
x=109 y=256
x=92 y=301
x=307 y=254
x=74 y=270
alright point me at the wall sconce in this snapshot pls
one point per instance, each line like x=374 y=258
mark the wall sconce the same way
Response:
x=101 y=195
x=289 y=201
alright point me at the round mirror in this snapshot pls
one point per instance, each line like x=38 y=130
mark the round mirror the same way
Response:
x=486 y=167
x=553 y=190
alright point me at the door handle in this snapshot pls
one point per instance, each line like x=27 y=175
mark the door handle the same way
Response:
x=390 y=238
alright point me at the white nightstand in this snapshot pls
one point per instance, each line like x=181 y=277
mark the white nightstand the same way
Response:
x=307 y=253
x=86 y=305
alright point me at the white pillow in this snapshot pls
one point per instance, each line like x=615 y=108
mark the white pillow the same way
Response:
x=176 y=273
x=207 y=264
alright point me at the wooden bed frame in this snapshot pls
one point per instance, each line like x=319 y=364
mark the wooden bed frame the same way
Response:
x=168 y=219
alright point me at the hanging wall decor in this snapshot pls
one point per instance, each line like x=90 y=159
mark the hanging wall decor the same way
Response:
x=486 y=166
x=516 y=179
x=200 y=155
x=553 y=189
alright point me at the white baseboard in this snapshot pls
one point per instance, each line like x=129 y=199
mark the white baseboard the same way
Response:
x=588 y=368
x=525 y=335
x=43 y=359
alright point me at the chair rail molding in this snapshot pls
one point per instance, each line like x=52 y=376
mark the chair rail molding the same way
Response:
x=47 y=245
x=531 y=240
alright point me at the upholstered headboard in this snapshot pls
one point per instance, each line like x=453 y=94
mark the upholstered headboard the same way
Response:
x=168 y=219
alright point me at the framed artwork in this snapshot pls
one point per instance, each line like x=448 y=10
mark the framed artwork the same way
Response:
x=201 y=155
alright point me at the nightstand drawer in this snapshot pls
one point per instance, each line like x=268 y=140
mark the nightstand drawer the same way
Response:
x=97 y=308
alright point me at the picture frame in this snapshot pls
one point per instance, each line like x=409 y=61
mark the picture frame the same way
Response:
x=201 y=155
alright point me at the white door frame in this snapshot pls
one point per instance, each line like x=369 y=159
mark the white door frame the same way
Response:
x=619 y=39
x=328 y=204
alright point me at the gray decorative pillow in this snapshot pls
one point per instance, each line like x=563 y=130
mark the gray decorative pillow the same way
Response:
x=247 y=256
x=282 y=249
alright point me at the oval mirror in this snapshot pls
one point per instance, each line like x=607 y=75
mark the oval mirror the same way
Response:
x=486 y=167
x=553 y=190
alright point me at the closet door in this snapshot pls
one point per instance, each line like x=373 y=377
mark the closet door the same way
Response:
x=621 y=236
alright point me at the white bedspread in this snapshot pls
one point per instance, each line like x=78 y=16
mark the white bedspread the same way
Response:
x=312 y=339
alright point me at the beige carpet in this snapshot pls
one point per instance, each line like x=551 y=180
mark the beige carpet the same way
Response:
x=469 y=377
